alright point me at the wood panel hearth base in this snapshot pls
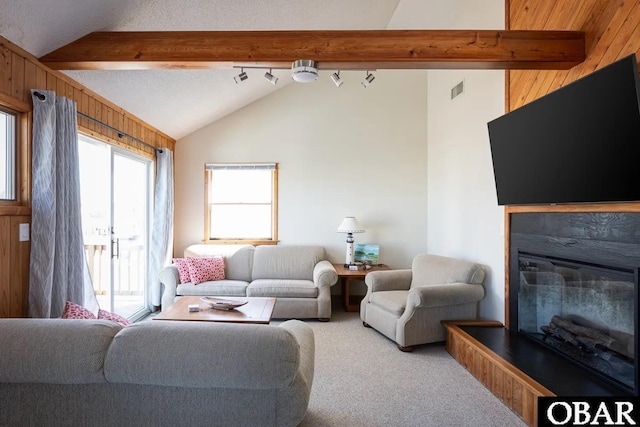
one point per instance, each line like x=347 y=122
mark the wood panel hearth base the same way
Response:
x=516 y=390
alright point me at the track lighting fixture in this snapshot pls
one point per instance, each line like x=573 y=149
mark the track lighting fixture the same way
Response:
x=336 y=78
x=270 y=77
x=367 y=80
x=304 y=71
x=241 y=77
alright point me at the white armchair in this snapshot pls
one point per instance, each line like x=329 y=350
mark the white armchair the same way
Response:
x=407 y=306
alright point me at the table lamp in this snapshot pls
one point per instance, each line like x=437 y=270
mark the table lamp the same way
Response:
x=350 y=225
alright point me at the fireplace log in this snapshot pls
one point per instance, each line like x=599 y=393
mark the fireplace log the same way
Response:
x=587 y=342
x=584 y=331
x=557 y=332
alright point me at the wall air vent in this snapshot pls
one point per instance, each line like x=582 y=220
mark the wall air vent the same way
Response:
x=457 y=89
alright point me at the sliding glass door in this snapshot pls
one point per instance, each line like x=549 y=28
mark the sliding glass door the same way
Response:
x=129 y=231
x=115 y=194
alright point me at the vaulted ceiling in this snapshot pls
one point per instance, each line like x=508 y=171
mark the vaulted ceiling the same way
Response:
x=178 y=101
x=185 y=89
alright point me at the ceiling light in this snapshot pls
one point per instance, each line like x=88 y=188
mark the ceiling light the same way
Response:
x=336 y=79
x=367 y=80
x=270 y=77
x=241 y=77
x=304 y=71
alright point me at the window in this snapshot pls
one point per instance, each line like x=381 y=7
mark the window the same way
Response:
x=241 y=203
x=7 y=155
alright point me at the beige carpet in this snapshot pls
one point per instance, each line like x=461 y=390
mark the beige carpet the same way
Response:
x=362 y=379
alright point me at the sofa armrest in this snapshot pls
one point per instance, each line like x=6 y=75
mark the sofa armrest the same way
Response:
x=306 y=339
x=324 y=274
x=169 y=278
x=449 y=294
x=388 y=280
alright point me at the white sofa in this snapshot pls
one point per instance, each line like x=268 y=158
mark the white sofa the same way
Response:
x=299 y=277
x=64 y=372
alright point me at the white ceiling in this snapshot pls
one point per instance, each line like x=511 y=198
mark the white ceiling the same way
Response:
x=179 y=102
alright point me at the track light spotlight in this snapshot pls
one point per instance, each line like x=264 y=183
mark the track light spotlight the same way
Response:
x=270 y=77
x=241 y=77
x=367 y=80
x=336 y=78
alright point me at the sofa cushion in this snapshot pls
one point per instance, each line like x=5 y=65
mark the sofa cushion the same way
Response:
x=210 y=354
x=58 y=351
x=282 y=288
x=205 y=269
x=392 y=301
x=107 y=315
x=183 y=269
x=75 y=311
x=238 y=259
x=436 y=270
x=236 y=288
x=286 y=261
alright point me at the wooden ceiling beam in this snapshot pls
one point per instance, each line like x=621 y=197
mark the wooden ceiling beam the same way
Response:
x=345 y=50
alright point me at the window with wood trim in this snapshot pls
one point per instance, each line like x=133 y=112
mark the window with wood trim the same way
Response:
x=8 y=147
x=241 y=203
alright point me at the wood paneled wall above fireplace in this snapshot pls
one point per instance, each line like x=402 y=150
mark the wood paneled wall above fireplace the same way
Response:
x=611 y=32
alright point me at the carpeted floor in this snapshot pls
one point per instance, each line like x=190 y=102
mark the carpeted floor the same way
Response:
x=362 y=379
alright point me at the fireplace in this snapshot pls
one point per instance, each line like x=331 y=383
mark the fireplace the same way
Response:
x=585 y=312
x=573 y=289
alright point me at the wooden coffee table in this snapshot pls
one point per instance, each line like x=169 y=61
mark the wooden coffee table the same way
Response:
x=257 y=310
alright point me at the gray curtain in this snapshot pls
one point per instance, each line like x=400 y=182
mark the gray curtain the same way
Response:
x=162 y=228
x=58 y=267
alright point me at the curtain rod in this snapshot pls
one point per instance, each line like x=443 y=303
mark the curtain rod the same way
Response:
x=120 y=133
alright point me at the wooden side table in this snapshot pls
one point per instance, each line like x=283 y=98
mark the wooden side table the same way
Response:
x=346 y=276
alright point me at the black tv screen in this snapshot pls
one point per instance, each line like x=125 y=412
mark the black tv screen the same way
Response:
x=578 y=144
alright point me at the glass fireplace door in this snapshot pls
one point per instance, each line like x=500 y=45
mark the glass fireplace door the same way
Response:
x=585 y=312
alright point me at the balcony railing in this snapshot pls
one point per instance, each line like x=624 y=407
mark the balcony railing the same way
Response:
x=128 y=268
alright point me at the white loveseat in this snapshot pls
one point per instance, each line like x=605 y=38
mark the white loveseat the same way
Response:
x=299 y=277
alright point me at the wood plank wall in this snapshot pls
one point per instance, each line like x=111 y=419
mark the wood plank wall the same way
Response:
x=19 y=73
x=612 y=30
x=14 y=267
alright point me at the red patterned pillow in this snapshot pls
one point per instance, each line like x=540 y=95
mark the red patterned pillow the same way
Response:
x=205 y=269
x=75 y=311
x=107 y=315
x=183 y=269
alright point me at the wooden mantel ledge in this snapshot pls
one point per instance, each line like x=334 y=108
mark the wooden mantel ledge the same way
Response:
x=332 y=49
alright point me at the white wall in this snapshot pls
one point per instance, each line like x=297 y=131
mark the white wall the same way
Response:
x=363 y=152
x=464 y=218
x=340 y=151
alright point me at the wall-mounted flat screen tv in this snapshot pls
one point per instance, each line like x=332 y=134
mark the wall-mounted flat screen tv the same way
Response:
x=578 y=144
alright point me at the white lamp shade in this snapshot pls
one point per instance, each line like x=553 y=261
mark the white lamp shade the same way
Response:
x=350 y=225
